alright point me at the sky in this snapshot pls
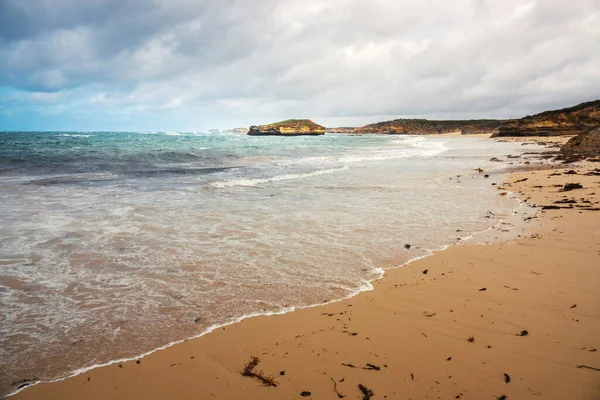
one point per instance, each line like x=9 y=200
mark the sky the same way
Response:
x=193 y=65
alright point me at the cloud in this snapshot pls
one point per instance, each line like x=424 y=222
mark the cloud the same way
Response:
x=235 y=62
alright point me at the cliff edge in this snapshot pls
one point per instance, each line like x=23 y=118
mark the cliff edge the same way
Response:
x=567 y=121
x=428 y=127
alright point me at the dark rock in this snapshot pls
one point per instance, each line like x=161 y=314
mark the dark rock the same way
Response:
x=572 y=186
x=584 y=145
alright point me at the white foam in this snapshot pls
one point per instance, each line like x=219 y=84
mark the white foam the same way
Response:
x=73 y=135
x=276 y=178
x=417 y=149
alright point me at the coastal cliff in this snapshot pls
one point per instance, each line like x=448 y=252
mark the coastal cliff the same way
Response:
x=567 y=121
x=290 y=127
x=427 y=127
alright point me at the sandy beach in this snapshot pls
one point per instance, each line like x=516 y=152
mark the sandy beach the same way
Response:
x=516 y=320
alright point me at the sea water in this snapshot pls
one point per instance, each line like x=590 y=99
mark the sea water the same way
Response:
x=113 y=244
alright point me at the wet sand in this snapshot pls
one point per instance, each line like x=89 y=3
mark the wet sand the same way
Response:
x=519 y=319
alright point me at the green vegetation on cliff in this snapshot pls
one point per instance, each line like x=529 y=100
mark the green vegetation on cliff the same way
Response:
x=290 y=127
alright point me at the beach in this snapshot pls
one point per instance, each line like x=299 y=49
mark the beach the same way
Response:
x=117 y=244
x=519 y=319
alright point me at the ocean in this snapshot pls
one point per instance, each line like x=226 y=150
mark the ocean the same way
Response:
x=114 y=244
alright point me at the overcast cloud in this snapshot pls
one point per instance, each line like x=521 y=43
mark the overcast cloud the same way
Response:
x=196 y=64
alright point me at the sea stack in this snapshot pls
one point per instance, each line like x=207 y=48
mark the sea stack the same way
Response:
x=290 y=127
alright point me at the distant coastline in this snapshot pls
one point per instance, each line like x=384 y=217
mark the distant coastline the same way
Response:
x=563 y=122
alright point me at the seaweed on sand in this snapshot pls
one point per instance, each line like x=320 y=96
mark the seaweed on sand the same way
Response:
x=367 y=393
x=249 y=371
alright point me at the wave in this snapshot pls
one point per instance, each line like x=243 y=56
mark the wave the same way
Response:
x=73 y=135
x=421 y=149
x=276 y=178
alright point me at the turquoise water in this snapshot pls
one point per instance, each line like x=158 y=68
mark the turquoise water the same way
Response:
x=114 y=244
x=135 y=155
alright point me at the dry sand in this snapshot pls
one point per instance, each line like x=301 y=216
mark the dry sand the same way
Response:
x=409 y=338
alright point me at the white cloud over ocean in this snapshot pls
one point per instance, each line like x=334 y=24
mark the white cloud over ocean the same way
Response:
x=191 y=65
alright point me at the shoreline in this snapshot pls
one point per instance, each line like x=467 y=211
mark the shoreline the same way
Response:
x=364 y=286
x=367 y=286
x=228 y=363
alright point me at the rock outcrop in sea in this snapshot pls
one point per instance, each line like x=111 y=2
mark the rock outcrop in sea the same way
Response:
x=584 y=145
x=427 y=127
x=290 y=127
x=567 y=121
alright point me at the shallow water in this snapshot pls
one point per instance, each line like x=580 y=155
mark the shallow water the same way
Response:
x=113 y=244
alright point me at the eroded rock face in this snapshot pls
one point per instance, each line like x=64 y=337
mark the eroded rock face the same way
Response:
x=427 y=127
x=567 y=121
x=584 y=145
x=290 y=127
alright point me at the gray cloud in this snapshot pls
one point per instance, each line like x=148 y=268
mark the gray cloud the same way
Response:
x=333 y=60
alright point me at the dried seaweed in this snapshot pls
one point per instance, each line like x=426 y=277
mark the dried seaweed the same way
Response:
x=249 y=371
x=588 y=367
x=339 y=395
x=367 y=393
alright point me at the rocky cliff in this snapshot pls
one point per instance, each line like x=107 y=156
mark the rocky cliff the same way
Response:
x=290 y=127
x=567 y=121
x=584 y=145
x=426 y=127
